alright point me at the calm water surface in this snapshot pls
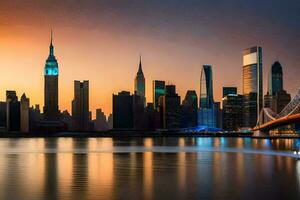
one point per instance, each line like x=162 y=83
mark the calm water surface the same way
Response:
x=149 y=168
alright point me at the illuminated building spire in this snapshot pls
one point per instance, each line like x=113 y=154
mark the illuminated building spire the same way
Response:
x=51 y=45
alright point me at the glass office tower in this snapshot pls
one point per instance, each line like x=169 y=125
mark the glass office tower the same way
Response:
x=206 y=115
x=252 y=85
x=275 y=79
x=158 y=90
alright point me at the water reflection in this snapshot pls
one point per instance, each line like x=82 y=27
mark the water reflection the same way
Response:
x=70 y=174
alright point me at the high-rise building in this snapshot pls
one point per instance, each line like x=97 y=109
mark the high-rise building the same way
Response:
x=123 y=110
x=80 y=106
x=229 y=90
x=153 y=117
x=100 y=123
x=34 y=118
x=252 y=85
x=51 y=110
x=206 y=99
x=139 y=83
x=170 y=108
x=276 y=98
x=275 y=79
x=13 y=118
x=24 y=112
x=206 y=114
x=110 y=121
x=158 y=91
x=189 y=108
x=232 y=112
x=2 y=115
x=139 y=117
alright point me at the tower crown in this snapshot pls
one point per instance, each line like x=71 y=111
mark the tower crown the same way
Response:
x=51 y=66
x=140 y=70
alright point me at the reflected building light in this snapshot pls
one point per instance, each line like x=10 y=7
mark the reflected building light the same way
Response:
x=34 y=172
x=181 y=142
x=65 y=169
x=266 y=143
x=101 y=174
x=92 y=144
x=148 y=142
x=240 y=143
x=217 y=142
x=148 y=173
x=223 y=142
x=105 y=143
x=181 y=170
x=298 y=171
x=65 y=144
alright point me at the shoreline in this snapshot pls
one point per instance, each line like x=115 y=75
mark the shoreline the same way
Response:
x=142 y=134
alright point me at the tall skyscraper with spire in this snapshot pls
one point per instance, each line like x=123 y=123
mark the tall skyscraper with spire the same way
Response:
x=51 y=110
x=139 y=83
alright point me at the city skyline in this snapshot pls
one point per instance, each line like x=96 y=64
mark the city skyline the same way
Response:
x=111 y=69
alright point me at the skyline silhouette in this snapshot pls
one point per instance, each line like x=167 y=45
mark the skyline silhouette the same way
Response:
x=174 y=45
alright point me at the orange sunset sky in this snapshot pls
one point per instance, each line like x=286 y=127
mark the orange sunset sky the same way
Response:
x=101 y=42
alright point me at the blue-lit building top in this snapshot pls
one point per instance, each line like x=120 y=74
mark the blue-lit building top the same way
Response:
x=51 y=66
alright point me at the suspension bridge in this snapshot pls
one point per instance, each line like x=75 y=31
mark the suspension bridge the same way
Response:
x=269 y=120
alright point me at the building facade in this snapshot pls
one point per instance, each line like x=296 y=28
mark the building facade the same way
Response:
x=229 y=90
x=100 y=123
x=276 y=98
x=80 y=106
x=123 y=110
x=206 y=114
x=24 y=113
x=275 y=79
x=232 y=112
x=13 y=118
x=158 y=91
x=252 y=85
x=170 y=108
x=189 y=109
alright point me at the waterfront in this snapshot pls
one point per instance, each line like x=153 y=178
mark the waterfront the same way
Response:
x=149 y=168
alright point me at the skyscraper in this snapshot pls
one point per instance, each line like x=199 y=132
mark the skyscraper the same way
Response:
x=276 y=98
x=158 y=90
x=275 y=79
x=252 y=85
x=139 y=83
x=232 y=112
x=139 y=117
x=206 y=114
x=12 y=111
x=171 y=108
x=189 y=108
x=206 y=99
x=100 y=123
x=2 y=115
x=80 y=106
x=229 y=90
x=51 y=110
x=123 y=110
x=24 y=112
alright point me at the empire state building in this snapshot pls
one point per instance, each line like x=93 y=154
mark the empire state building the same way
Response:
x=51 y=110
